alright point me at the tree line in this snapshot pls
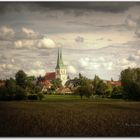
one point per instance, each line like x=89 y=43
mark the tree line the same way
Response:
x=21 y=88
x=24 y=87
x=129 y=88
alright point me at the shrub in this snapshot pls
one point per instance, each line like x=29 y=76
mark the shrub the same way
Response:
x=40 y=96
x=32 y=97
x=20 y=93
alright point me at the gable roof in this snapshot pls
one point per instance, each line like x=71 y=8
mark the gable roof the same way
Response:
x=50 y=76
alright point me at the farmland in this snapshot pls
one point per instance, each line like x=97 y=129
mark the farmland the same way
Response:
x=64 y=115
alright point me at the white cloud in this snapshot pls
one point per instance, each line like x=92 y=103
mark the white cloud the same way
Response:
x=46 y=43
x=25 y=43
x=27 y=33
x=37 y=72
x=138 y=52
x=38 y=64
x=125 y=63
x=6 y=33
x=84 y=62
x=71 y=69
x=108 y=65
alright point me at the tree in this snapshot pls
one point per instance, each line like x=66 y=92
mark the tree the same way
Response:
x=117 y=92
x=10 y=88
x=84 y=91
x=21 y=78
x=56 y=83
x=20 y=93
x=130 y=79
x=95 y=83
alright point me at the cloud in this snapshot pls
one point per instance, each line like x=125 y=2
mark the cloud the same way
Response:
x=71 y=69
x=138 y=52
x=38 y=64
x=108 y=65
x=46 y=43
x=19 y=44
x=6 y=33
x=37 y=72
x=131 y=22
x=114 y=7
x=79 y=39
x=27 y=33
x=125 y=63
x=133 y=57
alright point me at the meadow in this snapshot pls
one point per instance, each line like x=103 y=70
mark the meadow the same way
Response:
x=69 y=116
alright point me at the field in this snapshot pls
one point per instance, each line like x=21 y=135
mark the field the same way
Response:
x=65 y=115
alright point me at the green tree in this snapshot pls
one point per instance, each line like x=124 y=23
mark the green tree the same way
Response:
x=130 y=79
x=56 y=83
x=117 y=92
x=20 y=93
x=21 y=78
x=10 y=88
x=84 y=91
x=95 y=83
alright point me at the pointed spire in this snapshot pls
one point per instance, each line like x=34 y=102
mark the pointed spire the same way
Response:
x=59 y=59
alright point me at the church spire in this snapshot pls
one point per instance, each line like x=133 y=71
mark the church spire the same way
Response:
x=60 y=63
x=58 y=60
x=61 y=59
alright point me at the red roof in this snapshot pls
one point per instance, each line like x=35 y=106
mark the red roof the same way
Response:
x=50 y=76
x=45 y=83
x=115 y=83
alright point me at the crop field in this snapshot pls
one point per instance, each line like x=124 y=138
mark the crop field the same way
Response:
x=69 y=116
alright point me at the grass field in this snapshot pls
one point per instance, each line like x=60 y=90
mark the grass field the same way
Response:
x=64 y=115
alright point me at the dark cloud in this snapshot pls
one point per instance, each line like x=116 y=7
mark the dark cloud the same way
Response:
x=114 y=7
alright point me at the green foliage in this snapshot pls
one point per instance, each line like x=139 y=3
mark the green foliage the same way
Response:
x=20 y=94
x=21 y=78
x=56 y=83
x=3 y=94
x=117 y=92
x=40 y=96
x=32 y=97
x=84 y=91
x=130 y=79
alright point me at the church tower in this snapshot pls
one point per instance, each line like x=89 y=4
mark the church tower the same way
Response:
x=60 y=69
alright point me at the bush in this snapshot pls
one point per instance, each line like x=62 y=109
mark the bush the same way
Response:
x=20 y=93
x=40 y=96
x=3 y=94
x=117 y=92
x=32 y=97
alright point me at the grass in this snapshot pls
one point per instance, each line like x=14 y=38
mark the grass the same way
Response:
x=67 y=115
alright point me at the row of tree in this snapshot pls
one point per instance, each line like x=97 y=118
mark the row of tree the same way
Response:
x=21 y=88
x=26 y=87
x=88 y=88
x=130 y=88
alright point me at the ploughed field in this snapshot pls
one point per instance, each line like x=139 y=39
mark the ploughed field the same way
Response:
x=65 y=115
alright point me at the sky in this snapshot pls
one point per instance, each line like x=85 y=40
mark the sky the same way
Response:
x=101 y=38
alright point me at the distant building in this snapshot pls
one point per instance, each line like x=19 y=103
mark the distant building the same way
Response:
x=114 y=83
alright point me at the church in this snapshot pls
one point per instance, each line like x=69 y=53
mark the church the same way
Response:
x=60 y=72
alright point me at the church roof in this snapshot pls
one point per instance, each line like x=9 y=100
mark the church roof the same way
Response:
x=50 y=75
x=60 y=63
